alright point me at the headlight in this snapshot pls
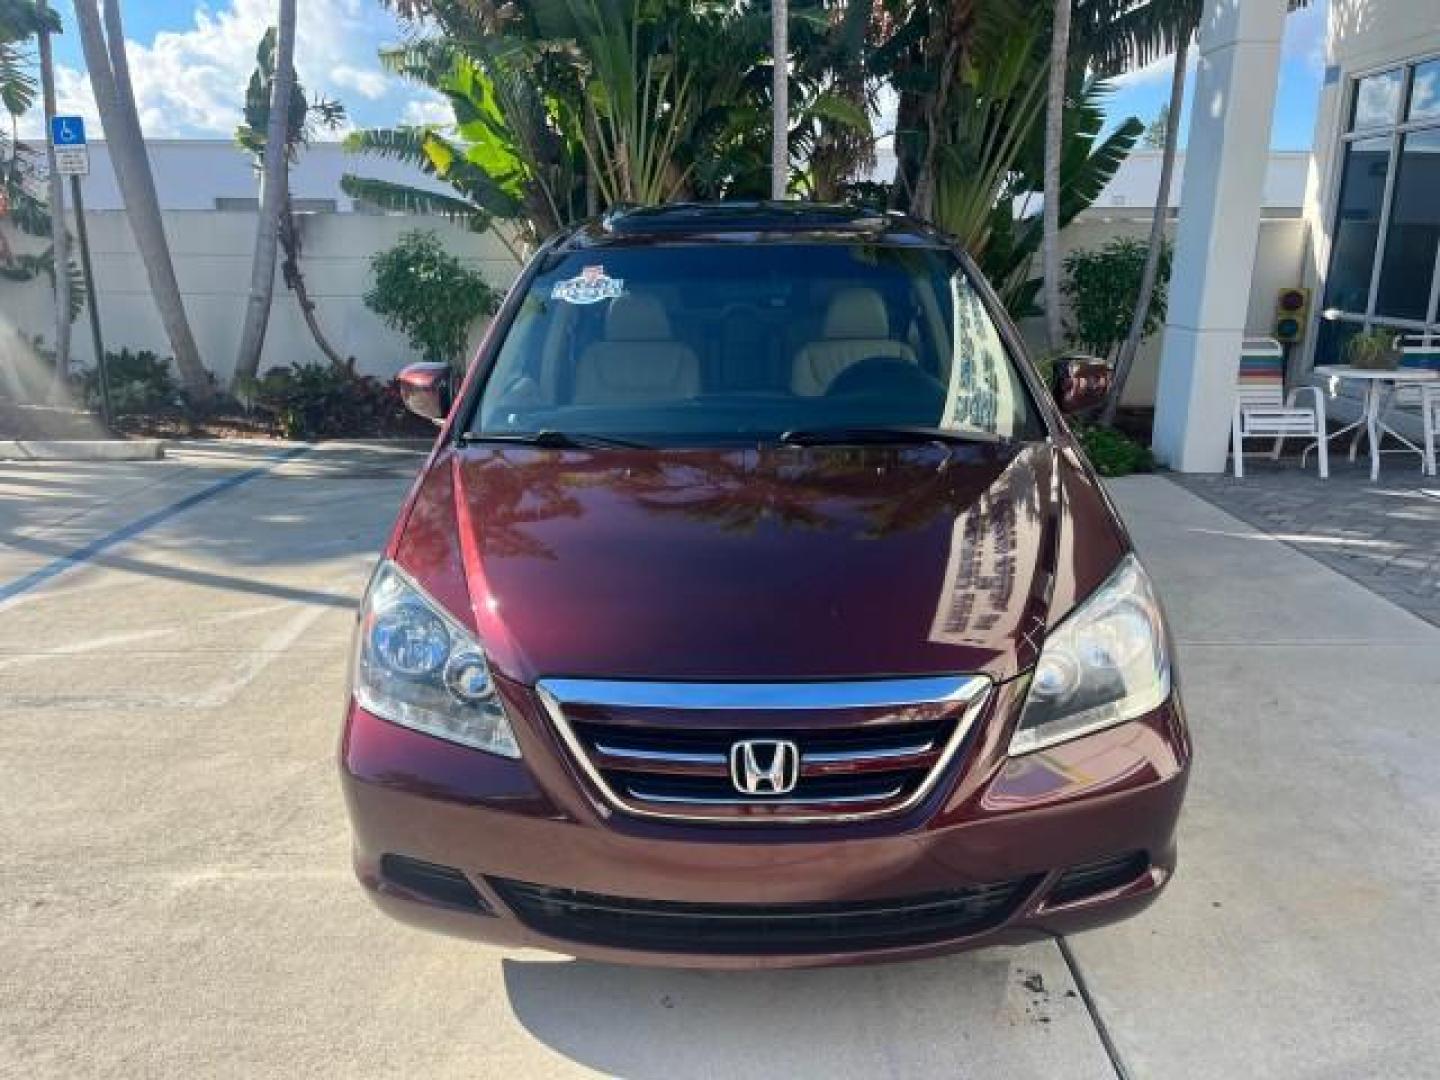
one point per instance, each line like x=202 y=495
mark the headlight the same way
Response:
x=417 y=667
x=1105 y=664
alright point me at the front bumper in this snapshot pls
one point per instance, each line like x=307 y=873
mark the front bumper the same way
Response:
x=1019 y=822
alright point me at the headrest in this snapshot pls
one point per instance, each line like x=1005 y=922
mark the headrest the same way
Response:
x=636 y=317
x=857 y=313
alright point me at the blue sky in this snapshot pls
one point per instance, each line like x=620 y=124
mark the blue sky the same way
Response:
x=190 y=62
x=1302 y=70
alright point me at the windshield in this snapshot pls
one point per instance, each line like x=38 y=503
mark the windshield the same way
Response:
x=717 y=344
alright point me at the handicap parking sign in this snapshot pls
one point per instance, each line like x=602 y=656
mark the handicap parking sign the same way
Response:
x=67 y=130
x=67 y=137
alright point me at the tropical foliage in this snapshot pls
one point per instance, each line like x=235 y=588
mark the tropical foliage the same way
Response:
x=308 y=117
x=24 y=208
x=103 y=41
x=989 y=168
x=429 y=295
x=564 y=108
x=139 y=382
x=308 y=401
x=1112 y=452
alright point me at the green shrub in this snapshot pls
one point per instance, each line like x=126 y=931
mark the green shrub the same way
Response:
x=140 y=383
x=307 y=401
x=429 y=295
x=1103 y=286
x=1113 y=453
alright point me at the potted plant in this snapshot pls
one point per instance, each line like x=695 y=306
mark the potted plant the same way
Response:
x=1372 y=350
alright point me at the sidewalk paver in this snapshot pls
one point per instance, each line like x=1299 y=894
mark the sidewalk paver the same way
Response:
x=1384 y=535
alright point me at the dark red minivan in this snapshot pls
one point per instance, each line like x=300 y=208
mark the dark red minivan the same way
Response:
x=756 y=608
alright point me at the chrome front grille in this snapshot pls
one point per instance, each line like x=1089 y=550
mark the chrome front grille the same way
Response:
x=864 y=749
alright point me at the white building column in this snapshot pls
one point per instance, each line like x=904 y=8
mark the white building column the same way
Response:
x=1225 y=160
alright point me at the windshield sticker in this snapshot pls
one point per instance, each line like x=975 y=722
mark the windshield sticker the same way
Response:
x=590 y=287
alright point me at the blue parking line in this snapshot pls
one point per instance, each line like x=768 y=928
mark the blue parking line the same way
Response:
x=85 y=554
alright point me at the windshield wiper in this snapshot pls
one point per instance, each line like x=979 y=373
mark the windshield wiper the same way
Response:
x=889 y=435
x=550 y=439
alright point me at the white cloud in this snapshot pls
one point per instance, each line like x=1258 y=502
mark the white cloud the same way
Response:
x=191 y=82
x=369 y=83
x=426 y=107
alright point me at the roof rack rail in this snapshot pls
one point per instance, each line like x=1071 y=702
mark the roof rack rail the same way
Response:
x=609 y=218
x=741 y=216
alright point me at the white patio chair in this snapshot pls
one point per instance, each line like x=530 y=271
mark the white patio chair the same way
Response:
x=1263 y=411
x=1422 y=352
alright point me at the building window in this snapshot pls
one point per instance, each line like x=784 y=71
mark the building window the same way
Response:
x=1385 y=244
x=1408 y=267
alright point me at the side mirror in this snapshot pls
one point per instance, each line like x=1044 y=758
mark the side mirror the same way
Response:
x=425 y=390
x=1080 y=383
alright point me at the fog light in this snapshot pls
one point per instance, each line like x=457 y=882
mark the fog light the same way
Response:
x=438 y=884
x=1091 y=879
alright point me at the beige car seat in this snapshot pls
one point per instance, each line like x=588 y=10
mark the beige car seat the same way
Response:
x=638 y=361
x=856 y=328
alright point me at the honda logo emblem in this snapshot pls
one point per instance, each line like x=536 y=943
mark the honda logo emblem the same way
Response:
x=764 y=766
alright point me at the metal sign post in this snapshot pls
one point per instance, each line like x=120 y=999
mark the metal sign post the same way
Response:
x=72 y=159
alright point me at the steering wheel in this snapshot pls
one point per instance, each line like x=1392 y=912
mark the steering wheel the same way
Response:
x=898 y=382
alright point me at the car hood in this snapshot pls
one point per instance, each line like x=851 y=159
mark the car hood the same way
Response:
x=760 y=564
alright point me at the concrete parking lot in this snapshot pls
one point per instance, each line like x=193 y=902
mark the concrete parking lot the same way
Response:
x=175 y=894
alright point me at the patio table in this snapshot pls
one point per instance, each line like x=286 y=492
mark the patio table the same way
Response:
x=1377 y=386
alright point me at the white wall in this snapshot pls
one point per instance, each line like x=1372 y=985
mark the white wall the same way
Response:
x=190 y=174
x=212 y=253
x=1137 y=182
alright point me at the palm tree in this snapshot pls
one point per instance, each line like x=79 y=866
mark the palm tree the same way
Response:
x=302 y=118
x=273 y=192
x=926 y=48
x=1125 y=361
x=21 y=20
x=989 y=166
x=831 y=142
x=503 y=157
x=59 y=238
x=641 y=102
x=1009 y=237
x=1134 y=38
x=1054 y=136
x=780 y=94
x=104 y=48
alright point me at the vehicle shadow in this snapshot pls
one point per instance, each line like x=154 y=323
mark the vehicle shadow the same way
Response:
x=332 y=502
x=957 y=1016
